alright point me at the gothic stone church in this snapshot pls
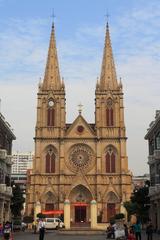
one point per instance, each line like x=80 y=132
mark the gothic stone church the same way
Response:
x=80 y=161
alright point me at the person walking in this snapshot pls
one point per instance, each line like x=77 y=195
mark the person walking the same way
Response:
x=7 y=231
x=131 y=235
x=1 y=229
x=41 y=227
x=149 y=231
x=137 y=230
x=126 y=231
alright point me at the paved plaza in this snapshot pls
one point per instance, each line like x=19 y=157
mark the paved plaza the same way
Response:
x=55 y=236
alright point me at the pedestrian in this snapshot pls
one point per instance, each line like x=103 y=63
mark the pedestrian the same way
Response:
x=7 y=231
x=149 y=231
x=131 y=235
x=1 y=229
x=41 y=227
x=137 y=230
x=126 y=231
x=110 y=232
x=34 y=227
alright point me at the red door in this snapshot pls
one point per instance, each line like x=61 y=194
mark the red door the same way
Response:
x=80 y=213
x=111 y=210
x=49 y=207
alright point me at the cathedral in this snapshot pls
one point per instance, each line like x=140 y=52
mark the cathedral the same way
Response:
x=80 y=162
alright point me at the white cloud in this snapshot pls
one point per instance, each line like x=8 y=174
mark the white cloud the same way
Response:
x=136 y=49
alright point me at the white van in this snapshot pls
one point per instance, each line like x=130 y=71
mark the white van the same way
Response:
x=53 y=223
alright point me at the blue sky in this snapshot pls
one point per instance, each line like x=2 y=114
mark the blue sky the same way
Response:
x=80 y=28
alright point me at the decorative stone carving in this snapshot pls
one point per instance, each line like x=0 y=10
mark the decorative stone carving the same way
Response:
x=81 y=157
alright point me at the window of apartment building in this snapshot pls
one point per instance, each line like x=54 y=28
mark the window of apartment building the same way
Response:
x=151 y=147
x=1 y=176
x=158 y=141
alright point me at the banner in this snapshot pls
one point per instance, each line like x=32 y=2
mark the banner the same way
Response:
x=53 y=212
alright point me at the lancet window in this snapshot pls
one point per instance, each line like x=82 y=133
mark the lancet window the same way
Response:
x=50 y=113
x=109 y=113
x=158 y=141
x=110 y=161
x=50 y=161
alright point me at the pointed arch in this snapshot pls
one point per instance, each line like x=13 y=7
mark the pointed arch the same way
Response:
x=108 y=163
x=49 y=200
x=111 y=201
x=80 y=193
x=50 y=160
x=110 y=159
x=112 y=197
x=109 y=113
x=50 y=117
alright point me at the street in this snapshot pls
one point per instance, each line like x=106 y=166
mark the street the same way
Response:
x=55 y=236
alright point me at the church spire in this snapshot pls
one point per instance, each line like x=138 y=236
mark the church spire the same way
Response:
x=52 y=76
x=108 y=79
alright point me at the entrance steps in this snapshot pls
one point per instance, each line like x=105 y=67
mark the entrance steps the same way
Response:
x=81 y=231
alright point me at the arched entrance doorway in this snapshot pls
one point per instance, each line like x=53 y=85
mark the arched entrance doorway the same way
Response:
x=49 y=203
x=80 y=198
x=112 y=200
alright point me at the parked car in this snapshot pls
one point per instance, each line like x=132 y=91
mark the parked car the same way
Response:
x=53 y=223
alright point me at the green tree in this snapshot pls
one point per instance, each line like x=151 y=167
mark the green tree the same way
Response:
x=17 y=201
x=139 y=203
x=41 y=215
x=28 y=219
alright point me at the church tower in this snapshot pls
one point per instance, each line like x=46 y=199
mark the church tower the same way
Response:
x=112 y=158
x=50 y=127
x=82 y=164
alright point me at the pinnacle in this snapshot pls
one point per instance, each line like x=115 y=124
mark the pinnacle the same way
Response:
x=52 y=75
x=108 y=77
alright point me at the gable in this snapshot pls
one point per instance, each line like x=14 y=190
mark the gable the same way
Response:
x=80 y=129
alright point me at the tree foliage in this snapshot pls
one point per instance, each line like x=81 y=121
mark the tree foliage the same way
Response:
x=17 y=201
x=28 y=219
x=41 y=215
x=119 y=216
x=139 y=203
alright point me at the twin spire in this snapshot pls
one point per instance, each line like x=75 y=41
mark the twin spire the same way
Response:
x=108 y=79
x=52 y=78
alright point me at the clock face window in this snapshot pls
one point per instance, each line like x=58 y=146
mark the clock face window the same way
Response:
x=51 y=103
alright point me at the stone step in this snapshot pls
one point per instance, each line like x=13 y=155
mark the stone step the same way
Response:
x=81 y=231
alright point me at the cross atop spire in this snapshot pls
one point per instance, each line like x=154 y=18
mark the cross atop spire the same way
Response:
x=52 y=75
x=53 y=16
x=80 y=108
x=108 y=77
x=107 y=18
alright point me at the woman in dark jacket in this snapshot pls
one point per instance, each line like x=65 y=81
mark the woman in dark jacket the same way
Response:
x=149 y=231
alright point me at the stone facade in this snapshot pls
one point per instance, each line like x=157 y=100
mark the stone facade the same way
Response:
x=81 y=161
x=6 y=138
x=153 y=137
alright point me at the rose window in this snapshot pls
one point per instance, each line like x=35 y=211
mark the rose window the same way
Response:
x=81 y=157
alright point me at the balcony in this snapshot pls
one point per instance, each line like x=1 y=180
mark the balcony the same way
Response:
x=9 y=191
x=157 y=154
x=3 y=154
x=151 y=159
x=4 y=190
x=8 y=160
x=154 y=190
